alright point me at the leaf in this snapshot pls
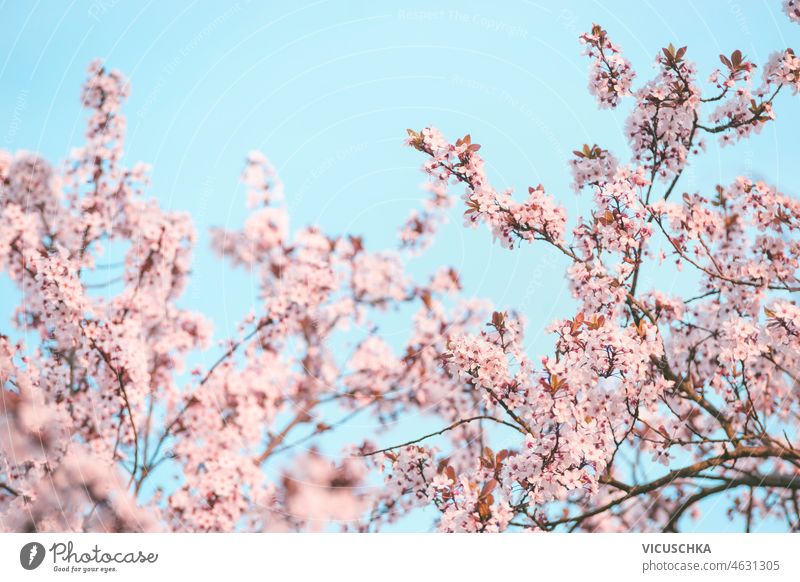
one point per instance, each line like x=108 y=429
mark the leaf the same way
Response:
x=498 y=319
x=596 y=322
x=488 y=487
x=426 y=298
x=483 y=510
x=607 y=218
x=556 y=383
x=357 y=242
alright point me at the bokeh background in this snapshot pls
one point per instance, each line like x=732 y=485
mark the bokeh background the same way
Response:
x=326 y=90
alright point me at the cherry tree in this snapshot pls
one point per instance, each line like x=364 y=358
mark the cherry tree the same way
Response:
x=648 y=403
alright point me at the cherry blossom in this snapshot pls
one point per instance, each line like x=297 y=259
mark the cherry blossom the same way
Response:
x=792 y=10
x=611 y=74
x=124 y=410
x=634 y=371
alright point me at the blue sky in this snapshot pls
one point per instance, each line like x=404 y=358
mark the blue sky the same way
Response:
x=326 y=89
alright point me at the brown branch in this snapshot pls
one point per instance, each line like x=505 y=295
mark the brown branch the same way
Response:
x=124 y=394
x=718 y=274
x=301 y=417
x=692 y=500
x=752 y=481
x=444 y=430
x=689 y=471
x=232 y=349
x=191 y=401
x=734 y=124
x=10 y=489
x=511 y=413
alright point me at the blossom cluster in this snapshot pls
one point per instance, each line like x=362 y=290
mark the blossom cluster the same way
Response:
x=508 y=220
x=611 y=75
x=117 y=414
x=792 y=10
x=634 y=369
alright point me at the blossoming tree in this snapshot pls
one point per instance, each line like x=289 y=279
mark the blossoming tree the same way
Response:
x=103 y=426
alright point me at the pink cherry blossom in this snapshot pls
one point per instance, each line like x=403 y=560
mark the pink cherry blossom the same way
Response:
x=792 y=10
x=125 y=411
x=611 y=74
